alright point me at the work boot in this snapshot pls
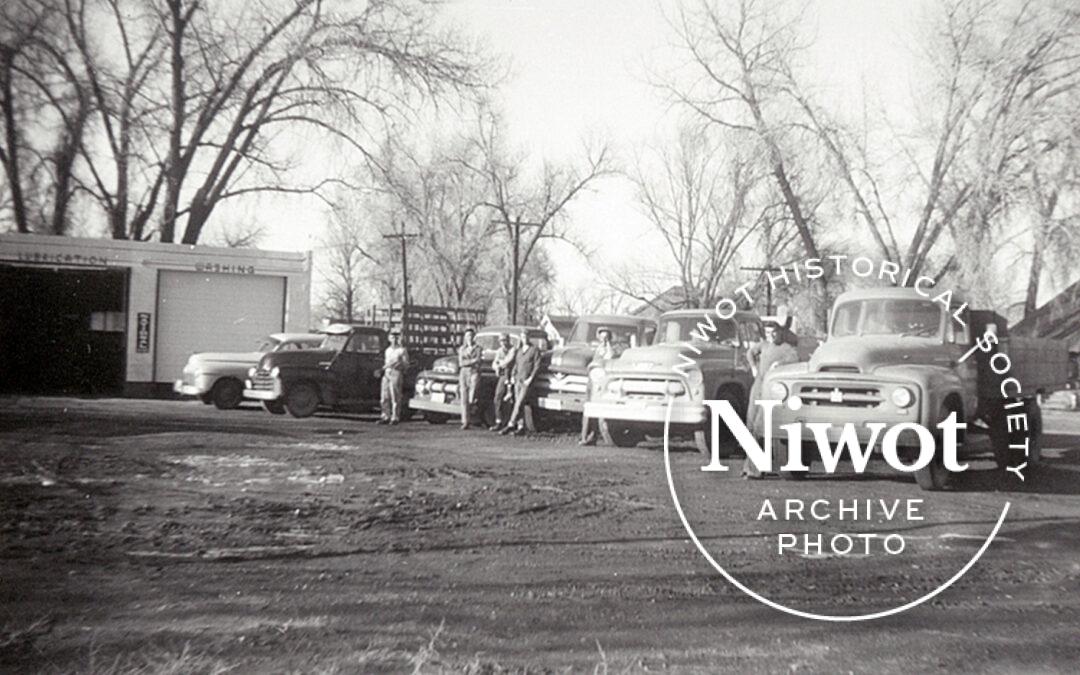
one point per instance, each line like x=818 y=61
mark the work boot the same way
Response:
x=383 y=420
x=505 y=431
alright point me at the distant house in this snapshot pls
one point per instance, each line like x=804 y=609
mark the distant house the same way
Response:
x=1058 y=318
x=557 y=326
x=672 y=298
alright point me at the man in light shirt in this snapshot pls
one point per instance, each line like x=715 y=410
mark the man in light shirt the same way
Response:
x=395 y=363
x=470 y=356
x=604 y=352
x=503 y=364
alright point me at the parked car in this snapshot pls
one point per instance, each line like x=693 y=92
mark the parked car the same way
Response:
x=630 y=395
x=218 y=377
x=345 y=372
x=437 y=387
x=562 y=385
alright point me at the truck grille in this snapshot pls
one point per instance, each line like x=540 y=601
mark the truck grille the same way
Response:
x=648 y=388
x=841 y=395
x=570 y=384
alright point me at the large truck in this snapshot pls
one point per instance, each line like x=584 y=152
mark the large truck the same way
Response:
x=561 y=386
x=437 y=387
x=894 y=355
x=630 y=395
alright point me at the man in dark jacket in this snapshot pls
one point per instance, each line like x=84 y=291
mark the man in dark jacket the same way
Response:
x=526 y=365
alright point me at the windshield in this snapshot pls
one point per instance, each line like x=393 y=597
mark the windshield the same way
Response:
x=921 y=318
x=490 y=341
x=694 y=328
x=585 y=333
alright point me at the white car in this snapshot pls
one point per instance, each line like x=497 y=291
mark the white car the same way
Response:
x=218 y=377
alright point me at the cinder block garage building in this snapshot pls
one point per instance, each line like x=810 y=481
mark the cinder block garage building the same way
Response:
x=100 y=316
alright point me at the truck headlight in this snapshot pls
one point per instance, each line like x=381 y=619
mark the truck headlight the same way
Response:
x=675 y=389
x=696 y=381
x=275 y=371
x=902 y=397
x=779 y=391
x=251 y=371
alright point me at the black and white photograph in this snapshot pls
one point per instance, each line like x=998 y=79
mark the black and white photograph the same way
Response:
x=539 y=336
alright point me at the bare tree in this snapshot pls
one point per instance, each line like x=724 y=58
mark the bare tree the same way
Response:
x=44 y=105
x=444 y=201
x=740 y=57
x=126 y=179
x=702 y=198
x=516 y=196
x=345 y=260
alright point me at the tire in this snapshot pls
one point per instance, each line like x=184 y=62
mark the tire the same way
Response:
x=702 y=437
x=1001 y=438
x=302 y=399
x=620 y=434
x=1035 y=430
x=227 y=394
x=934 y=476
x=487 y=414
x=536 y=419
x=435 y=418
x=274 y=407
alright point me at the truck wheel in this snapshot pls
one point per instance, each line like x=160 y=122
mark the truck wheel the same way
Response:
x=1001 y=438
x=1035 y=428
x=703 y=436
x=302 y=399
x=274 y=407
x=435 y=418
x=620 y=434
x=227 y=393
x=536 y=419
x=934 y=476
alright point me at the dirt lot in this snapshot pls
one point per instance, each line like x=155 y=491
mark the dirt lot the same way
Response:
x=154 y=535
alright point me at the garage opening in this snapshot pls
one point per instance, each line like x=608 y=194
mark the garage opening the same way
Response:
x=62 y=330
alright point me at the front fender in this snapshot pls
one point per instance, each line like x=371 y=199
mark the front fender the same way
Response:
x=935 y=382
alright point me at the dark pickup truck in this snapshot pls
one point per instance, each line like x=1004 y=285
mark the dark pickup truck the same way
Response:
x=344 y=373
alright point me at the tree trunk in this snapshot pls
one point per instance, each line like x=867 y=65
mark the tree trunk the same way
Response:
x=174 y=173
x=11 y=140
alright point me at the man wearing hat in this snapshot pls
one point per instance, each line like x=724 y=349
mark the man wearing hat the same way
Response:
x=526 y=365
x=395 y=363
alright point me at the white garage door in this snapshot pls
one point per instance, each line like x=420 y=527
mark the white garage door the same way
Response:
x=213 y=313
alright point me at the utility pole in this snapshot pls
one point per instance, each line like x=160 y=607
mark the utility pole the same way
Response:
x=403 y=236
x=515 y=237
x=768 y=286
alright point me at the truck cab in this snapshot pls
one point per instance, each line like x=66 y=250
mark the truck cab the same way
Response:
x=630 y=395
x=562 y=385
x=437 y=387
x=344 y=372
x=894 y=355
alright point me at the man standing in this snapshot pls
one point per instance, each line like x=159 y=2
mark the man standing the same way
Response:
x=605 y=351
x=526 y=365
x=504 y=385
x=395 y=363
x=470 y=356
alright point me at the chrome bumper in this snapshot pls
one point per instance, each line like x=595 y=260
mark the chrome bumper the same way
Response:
x=417 y=403
x=655 y=412
x=271 y=394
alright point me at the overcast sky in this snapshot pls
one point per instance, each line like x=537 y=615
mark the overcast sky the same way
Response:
x=578 y=70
